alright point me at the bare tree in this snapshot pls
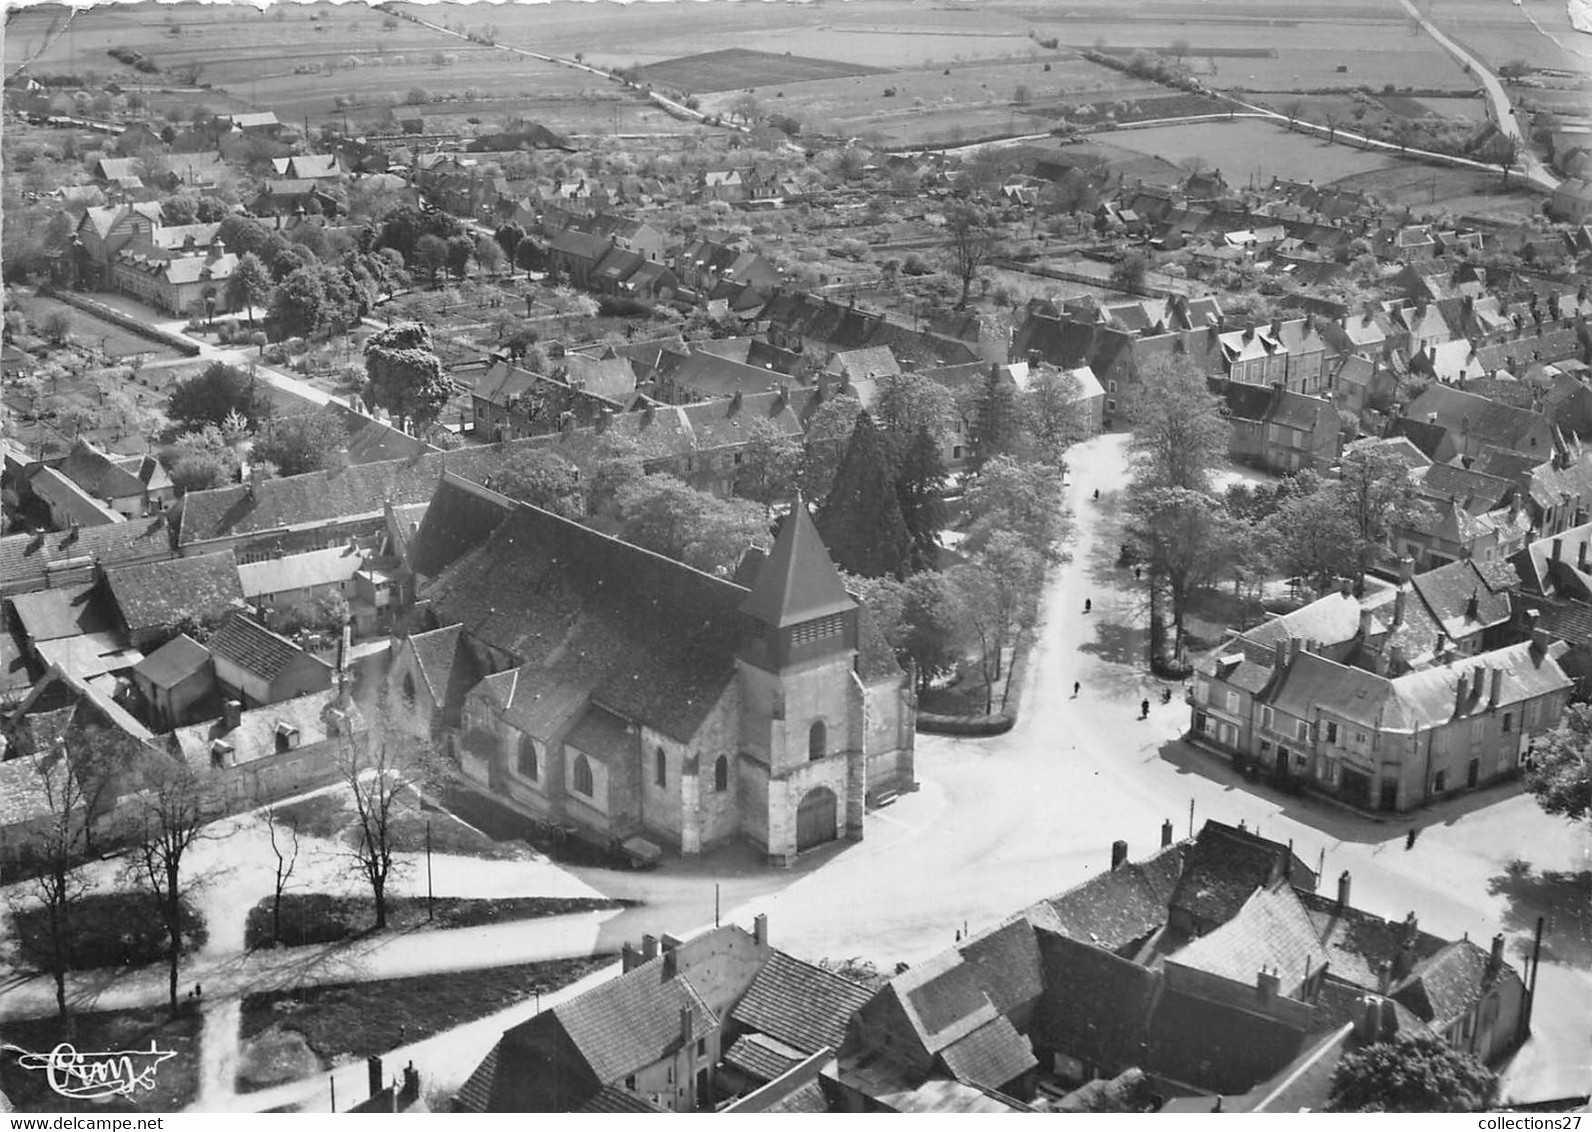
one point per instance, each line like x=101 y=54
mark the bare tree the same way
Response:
x=1292 y=109
x=286 y=859
x=176 y=803
x=1333 y=121
x=378 y=769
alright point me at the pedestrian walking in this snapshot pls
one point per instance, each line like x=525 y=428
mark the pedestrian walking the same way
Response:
x=1409 y=839
x=1088 y=606
x=1138 y=572
x=1075 y=687
x=1097 y=493
x=1144 y=709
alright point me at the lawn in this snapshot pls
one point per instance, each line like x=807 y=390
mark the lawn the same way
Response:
x=311 y=918
x=331 y=816
x=1245 y=149
x=291 y=1034
x=108 y=930
x=176 y=1079
x=107 y=337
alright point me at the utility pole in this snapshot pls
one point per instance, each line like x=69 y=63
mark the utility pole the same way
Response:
x=429 y=912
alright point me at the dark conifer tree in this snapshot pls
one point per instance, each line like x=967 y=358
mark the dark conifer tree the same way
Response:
x=861 y=520
x=997 y=430
x=920 y=484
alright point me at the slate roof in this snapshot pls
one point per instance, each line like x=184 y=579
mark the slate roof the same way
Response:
x=1358 y=943
x=254 y=648
x=330 y=566
x=48 y=615
x=1449 y=591
x=709 y=375
x=157 y=595
x=762 y=1057
x=1331 y=620
x=335 y=493
x=99 y=475
x=1006 y=962
x=1481 y=420
x=1313 y=682
x=1477 y=491
x=78 y=505
x=1117 y=908
x=649 y=637
x=1270 y=932
x=445 y=665
x=463 y=519
x=255 y=736
x=604 y=736
x=798 y=581
x=801 y=1005
x=173 y=661
x=1213 y=1046
x=991 y=1056
x=610 y=1099
x=1427 y=698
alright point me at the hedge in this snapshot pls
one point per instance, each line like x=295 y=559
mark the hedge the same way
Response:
x=186 y=346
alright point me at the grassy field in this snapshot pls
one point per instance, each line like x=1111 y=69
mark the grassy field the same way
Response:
x=291 y=1034
x=737 y=69
x=106 y=336
x=1457 y=191
x=1246 y=148
x=314 y=917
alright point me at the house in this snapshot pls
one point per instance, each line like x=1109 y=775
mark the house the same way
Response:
x=683 y=708
x=177 y=682
x=33 y=561
x=1474 y=423
x=154 y=601
x=681 y=1028
x=299 y=580
x=705 y=376
x=308 y=167
x=257 y=122
x=71 y=508
x=1387 y=742
x=283 y=196
x=189 y=280
x=258 y=667
x=1281 y=431
x=1571 y=202
x=510 y=402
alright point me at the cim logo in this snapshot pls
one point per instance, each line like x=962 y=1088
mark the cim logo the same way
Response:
x=93 y=1076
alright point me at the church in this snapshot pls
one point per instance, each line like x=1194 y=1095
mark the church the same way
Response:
x=584 y=680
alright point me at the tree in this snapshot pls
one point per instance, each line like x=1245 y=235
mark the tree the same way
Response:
x=665 y=514
x=1179 y=433
x=460 y=251
x=1128 y=273
x=746 y=108
x=908 y=403
x=885 y=600
x=543 y=479
x=1053 y=414
x=489 y=256
x=431 y=256
x=1560 y=770
x=997 y=589
x=378 y=769
x=618 y=465
x=201 y=471
x=215 y=392
x=1292 y=109
x=973 y=239
x=286 y=850
x=305 y=442
x=1507 y=148
x=299 y=304
x=828 y=433
x=1414 y=1072
x=771 y=462
x=932 y=617
x=1312 y=537
x=405 y=375
x=528 y=254
x=1182 y=534
x=1377 y=496
x=920 y=488
x=72 y=782
x=508 y=237
x=1010 y=495
x=249 y=284
x=860 y=520
x=997 y=420
x=174 y=805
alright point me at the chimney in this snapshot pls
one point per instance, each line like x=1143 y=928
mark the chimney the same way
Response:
x=1166 y=833
x=649 y=947
x=1406 y=570
x=1268 y=984
x=629 y=958
x=231 y=715
x=687 y=1032
x=1345 y=587
x=760 y=929
x=1344 y=883
x=1495 y=961
x=411 y=1086
x=1282 y=655
x=1295 y=646
x=1431 y=418
x=1539 y=643
x=1365 y=624
x=1119 y=854
x=1495 y=688
x=1384 y=975
x=1368 y=1021
x=1398 y=607
x=1462 y=692
x=1580 y=562
x=1558 y=548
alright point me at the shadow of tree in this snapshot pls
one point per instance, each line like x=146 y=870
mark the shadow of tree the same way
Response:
x=1563 y=898
x=1118 y=644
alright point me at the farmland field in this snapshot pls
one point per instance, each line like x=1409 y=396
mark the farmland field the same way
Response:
x=1246 y=148
x=1459 y=192
x=737 y=69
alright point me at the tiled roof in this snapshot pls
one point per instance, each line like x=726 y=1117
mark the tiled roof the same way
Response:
x=158 y=595
x=1117 y=908
x=1449 y=591
x=97 y=474
x=28 y=785
x=1483 y=421
x=1477 y=491
x=1445 y=986
x=479 y=1090
x=1223 y=868
x=611 y=1099
x=605 y=737
x=463 y=519
x=651 y=638
x=336 y=493
x=256 y=735
x=446 y=666
x=630 y=1022
x=991 y=1056
x=67 y=497
x=535 y=706
x=798 y=581
x=1270 y=932
x=942 y=999
x=1428 y=697
x=1006 y=962
x=1312 y=682
x=1095 y=1005
x=1213 y=1046
x=173 y=661
x=762 y=1057
x=255 y=648
x=711 y=376
x=1330 y=620
x=1358 y=943
x=801 y=1005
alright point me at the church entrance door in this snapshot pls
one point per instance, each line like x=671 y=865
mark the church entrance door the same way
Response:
x=815 y=818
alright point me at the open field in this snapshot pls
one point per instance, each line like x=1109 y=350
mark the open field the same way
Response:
x=738 y=68
x=1459 y=192
x=107 y=336
x=1246 y=148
